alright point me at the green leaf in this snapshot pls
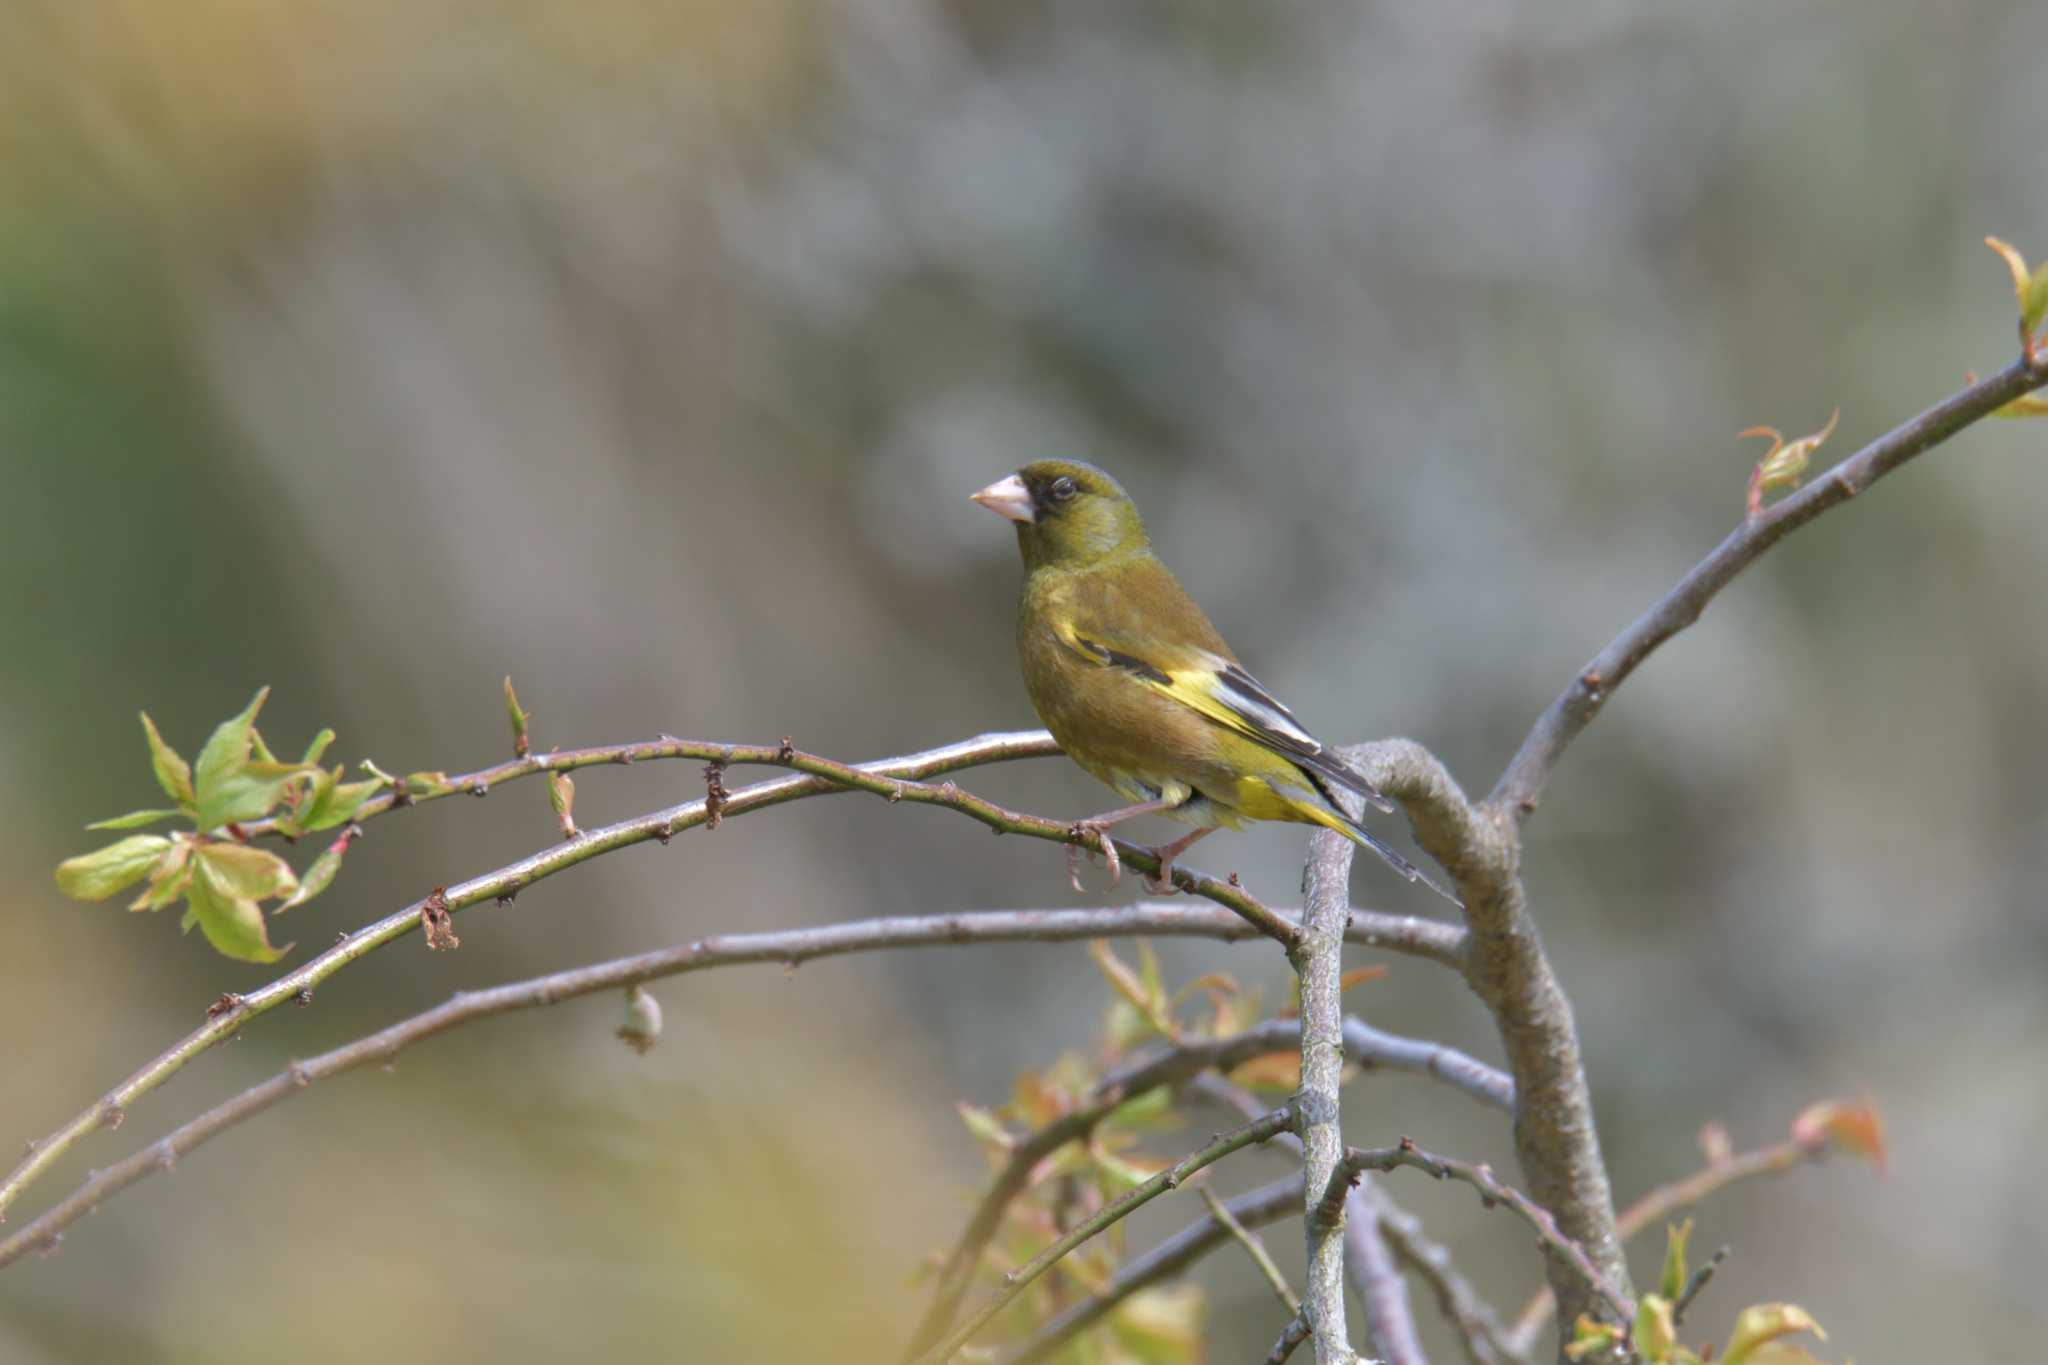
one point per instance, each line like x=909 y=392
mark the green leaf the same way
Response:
x=519 y=717
x=258 y=748
x=96 y=876
x=249 y=873
x=173 y=774
x=167 y=880
x=1655 y=1336
x=318 y=875
x=317 y=747
x=135 y=819
x=1675 y=1238
x=232 y=924
x=335 y=802
x=227 y=750
x=1760 y=1325
x=247 y=795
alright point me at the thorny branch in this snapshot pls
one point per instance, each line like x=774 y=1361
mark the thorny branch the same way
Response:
x=1492 y=1192
x=787 y=948
x=895 y=779
x=1521 y=785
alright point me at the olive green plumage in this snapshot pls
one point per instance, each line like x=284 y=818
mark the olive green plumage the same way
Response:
x=1135 y=682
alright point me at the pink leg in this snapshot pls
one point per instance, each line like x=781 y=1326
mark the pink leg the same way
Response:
x=1160 y=883
x=1095 y=828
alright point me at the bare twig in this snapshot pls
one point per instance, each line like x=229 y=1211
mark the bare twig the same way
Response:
x=1318 y=961
x=1291 y=1336
x=1663 y=1201
x=1695 y=1284
x=1389 y=1318
x=1375 y=1050
x=1259 y=1130
x=1253 y=1248
x=1253 y=1209
x=1491 y=1192
x=1521 y=785
x=1480 y=1333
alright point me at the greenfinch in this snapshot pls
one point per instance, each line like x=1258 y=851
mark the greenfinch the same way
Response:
x=1139 y=689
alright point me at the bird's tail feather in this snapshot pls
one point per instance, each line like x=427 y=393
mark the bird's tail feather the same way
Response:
x=1341 y=820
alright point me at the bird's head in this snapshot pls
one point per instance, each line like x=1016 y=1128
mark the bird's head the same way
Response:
x=1067 y=513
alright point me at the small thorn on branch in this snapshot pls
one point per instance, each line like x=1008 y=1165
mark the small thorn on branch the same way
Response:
x=438 y=922
x=787 y=752
x=227 y=1002
x=303 y=996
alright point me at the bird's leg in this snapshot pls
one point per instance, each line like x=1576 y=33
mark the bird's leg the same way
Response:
x=1096 y=827
x=1160 y=883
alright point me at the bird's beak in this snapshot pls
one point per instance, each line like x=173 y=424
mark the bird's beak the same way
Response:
x=1008 y=498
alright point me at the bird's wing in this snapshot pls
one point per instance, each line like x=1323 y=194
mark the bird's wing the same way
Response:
x=1221 y=690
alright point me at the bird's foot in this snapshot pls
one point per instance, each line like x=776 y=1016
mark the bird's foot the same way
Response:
x=1080 y=835
x=1160 y=883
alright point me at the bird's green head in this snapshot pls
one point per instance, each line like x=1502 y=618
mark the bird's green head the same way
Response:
x=1068 y=513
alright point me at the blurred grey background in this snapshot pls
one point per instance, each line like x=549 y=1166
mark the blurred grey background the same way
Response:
x=648 y=353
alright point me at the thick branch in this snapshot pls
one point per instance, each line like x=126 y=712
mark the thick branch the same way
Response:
x=1259 y=1130
x=1318 y=958
x=1492 y=1192
x=1663 y=1201
x=1556 y=1143
x=1521 y=785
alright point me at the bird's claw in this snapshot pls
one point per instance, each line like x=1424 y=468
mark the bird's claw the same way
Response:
x=1081 y=835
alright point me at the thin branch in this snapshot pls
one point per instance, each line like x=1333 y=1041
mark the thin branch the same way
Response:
x=1663 y=1201
x=788 y=948
x=1291 y=1336
x=1491 y=1192
x=1521 y=785
x=1382 y=1293
x=1318 y=961
x=1695 y=1284
x=1253 y=1209
x=894 y=779
x=506 y=882
x=1259 y=1130
x=1557 y=1142
x=1183 y=1063
x=1375 y=1050
x=1479 y=1330
x=1253 y=1248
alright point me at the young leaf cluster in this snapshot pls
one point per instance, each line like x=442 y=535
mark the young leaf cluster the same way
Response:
x=222 y=880
x=1757 y=1338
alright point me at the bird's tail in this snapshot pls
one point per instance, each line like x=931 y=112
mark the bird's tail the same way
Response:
x=1341 y=820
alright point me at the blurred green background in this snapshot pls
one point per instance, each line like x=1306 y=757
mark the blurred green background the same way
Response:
x=647 y=352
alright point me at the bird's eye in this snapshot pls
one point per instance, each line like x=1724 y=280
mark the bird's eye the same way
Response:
x=1062 y=489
